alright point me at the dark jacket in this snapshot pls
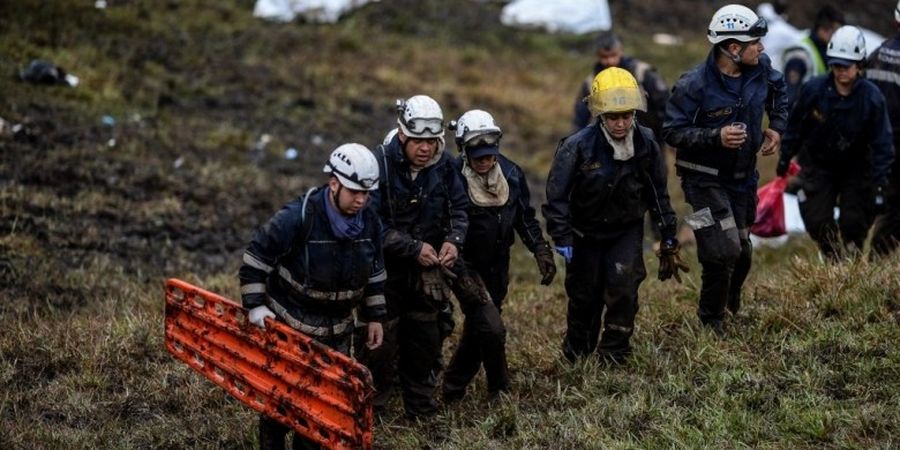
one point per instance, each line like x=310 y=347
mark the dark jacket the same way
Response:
x=841 y=135
x=591 y=194
x=431 y=208
x=883 y=69
x=296 y=259
x=650 y=81
x=492 y=228
x=701 y=104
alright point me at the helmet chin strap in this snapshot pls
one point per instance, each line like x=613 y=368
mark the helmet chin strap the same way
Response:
x=334 y=196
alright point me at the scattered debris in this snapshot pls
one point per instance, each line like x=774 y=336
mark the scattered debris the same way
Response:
x=323 y=11
x=667 y=39
x=100 y=4
x=108 y=121
x=41 y=71
x=178 y=162
x=291 y=153
x=574 y=16
x=258 y=153
x=317 y=140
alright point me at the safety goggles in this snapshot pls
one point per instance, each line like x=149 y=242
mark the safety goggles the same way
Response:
x=756 y=31
x=484 y=139
x=366 y=183
x=423 y=125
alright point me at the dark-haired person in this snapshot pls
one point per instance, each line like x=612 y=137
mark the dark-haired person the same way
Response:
x=840 y=130
x=317 y=260
x=714 y=119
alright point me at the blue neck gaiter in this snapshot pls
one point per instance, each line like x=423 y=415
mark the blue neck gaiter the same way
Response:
x=342 y=226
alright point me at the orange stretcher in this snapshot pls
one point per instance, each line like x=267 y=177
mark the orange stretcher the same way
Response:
x=320 y=393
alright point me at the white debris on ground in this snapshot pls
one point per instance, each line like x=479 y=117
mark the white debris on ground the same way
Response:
x=573 y=16
x=322 y=11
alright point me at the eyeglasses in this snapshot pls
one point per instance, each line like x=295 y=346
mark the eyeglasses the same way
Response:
x=366 y=183
x=757 y=30
x=419 y=125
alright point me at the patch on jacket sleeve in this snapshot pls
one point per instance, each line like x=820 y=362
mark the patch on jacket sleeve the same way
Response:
x=591 y=165
x=721 y=112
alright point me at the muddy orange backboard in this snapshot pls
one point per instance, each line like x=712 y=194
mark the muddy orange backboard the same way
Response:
x=320 y=393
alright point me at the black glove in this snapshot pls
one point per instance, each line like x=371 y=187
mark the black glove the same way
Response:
x=470 y=289
x=670 y=261
x=544 y=257
x=782 y=168
x=434 y=284
x=880 y=199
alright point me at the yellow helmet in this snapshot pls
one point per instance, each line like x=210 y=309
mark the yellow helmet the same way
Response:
x=615 y=90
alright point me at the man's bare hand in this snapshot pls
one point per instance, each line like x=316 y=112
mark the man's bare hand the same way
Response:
x=427 y=256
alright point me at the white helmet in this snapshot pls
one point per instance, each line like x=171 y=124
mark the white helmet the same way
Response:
x=897 y=12
x=420 y=116
x=847 y=43
x=736 y=22
x=354 y=166
x=476 y=127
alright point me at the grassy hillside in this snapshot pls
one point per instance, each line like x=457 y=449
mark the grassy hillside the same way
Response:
x=94 y=217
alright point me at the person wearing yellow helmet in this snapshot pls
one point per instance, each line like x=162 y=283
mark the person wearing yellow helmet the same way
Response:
x=602 y=181
x=714 y=119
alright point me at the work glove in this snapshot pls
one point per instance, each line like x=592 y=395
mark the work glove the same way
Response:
x=565 y=251
x=880 y=200
x=257 y=316
x=670 y=261
x=544 y=258
x=470 y=289
x=782 y=169
x=435 y=285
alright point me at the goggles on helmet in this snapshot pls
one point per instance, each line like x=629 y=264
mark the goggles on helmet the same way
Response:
x=484 y=139
x=366 y=183
x=757 y=30
x=420 y=125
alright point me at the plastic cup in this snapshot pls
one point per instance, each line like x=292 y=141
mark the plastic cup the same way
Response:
x=739 y=126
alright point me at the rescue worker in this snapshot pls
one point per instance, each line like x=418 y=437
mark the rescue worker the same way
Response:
x=840 y=130
x=315 y=261
x=806 y=58
x=602 y=181
x=609 y=53
x=422 y=204
x=714 y=120
x=883 y=69
x=499 y=206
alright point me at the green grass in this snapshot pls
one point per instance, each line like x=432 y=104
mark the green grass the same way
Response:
x=89 y=232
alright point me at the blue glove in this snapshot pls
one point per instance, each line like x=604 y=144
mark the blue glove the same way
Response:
x=565 y=251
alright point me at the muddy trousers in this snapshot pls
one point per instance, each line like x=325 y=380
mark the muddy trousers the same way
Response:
x=603 y=277
x=721 y=223
x=887 y=230
x=381 y=362
x=483 y=342
x=820 y=194
x=272 y=433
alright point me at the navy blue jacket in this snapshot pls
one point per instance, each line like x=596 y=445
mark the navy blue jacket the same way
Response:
x=591 y=194
x=493 y=227
x=701 y=104
x=296 y=259
x=850 y=135
x=431 y=208
x=883 y=69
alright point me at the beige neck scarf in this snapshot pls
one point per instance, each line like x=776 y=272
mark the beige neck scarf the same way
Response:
x=490 y=189
x=623 y=149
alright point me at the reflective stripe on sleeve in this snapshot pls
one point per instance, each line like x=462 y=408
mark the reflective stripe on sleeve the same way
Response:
x=254 y=262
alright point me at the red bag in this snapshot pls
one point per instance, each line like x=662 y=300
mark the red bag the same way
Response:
x=770 y=209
